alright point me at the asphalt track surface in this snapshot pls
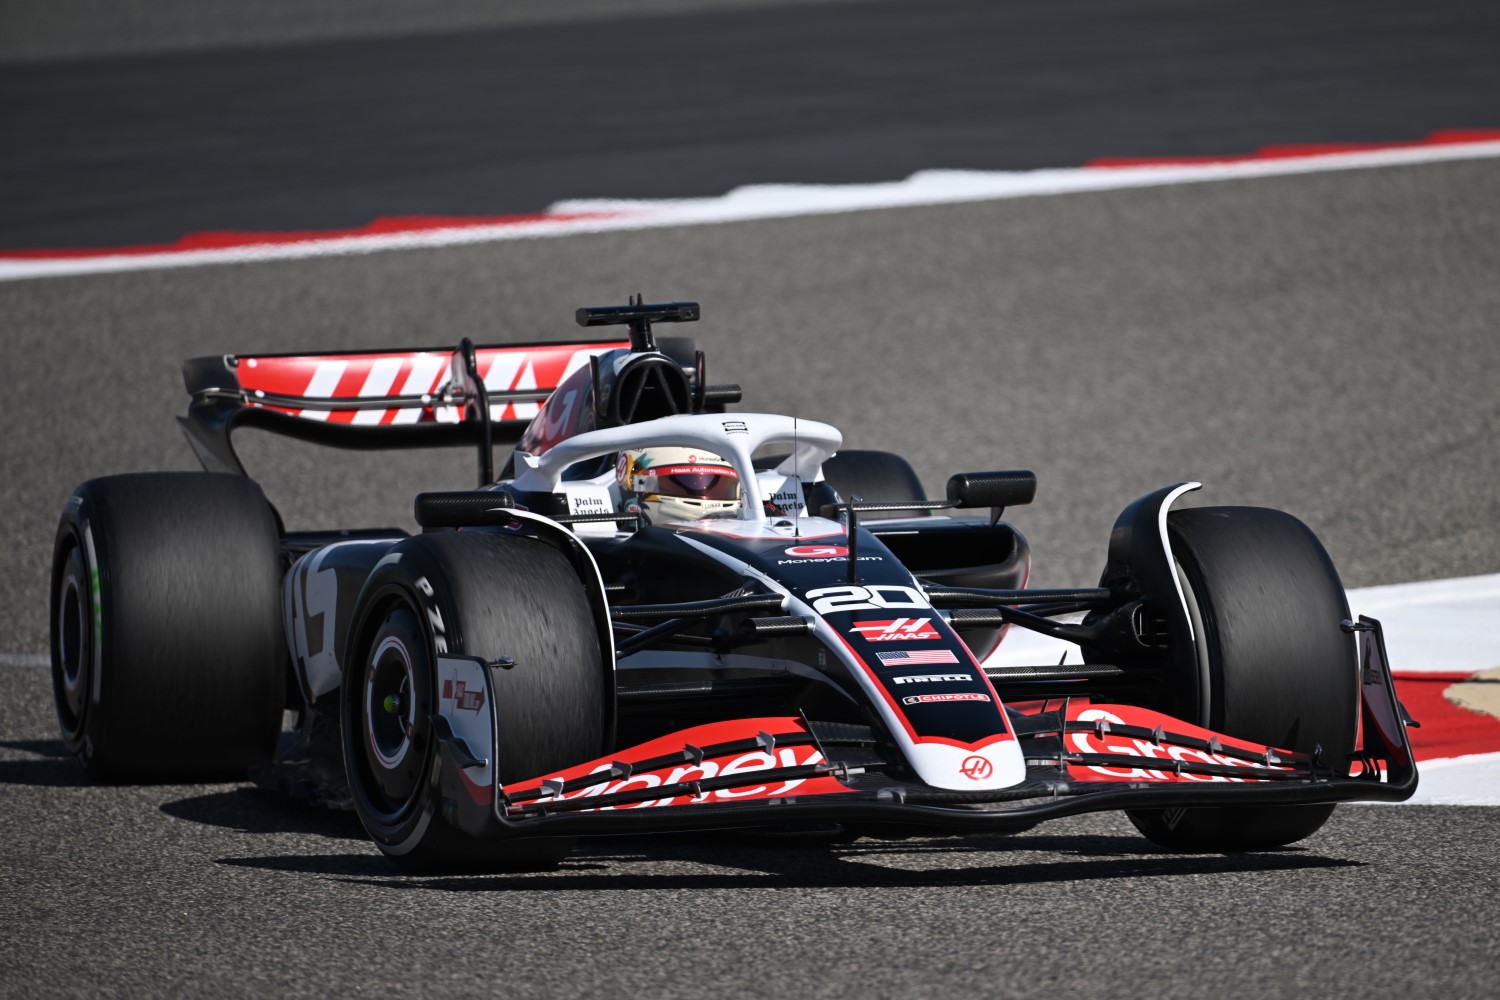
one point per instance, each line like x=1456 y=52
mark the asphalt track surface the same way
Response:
x=488 y=121
x=1321 y=343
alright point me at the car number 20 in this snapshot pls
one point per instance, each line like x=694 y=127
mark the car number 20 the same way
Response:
x=879 y=596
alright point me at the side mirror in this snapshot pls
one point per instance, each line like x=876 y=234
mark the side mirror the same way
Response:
x=992 y=489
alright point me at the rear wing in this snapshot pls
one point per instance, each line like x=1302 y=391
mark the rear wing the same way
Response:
x=474 y=396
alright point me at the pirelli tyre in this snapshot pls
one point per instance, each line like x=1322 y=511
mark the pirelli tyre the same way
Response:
x=168 y=656
x=1265 y=604
x=875 y=475
x=468 y=593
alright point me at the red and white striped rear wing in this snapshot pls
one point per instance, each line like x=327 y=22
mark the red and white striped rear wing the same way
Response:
x=377 y=399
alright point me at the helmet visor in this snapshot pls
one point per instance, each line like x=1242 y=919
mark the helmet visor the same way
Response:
x=699 y=482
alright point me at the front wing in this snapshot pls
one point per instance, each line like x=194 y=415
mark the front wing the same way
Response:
x=1080 y=756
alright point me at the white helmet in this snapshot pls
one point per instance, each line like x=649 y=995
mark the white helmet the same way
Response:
x=679 y=484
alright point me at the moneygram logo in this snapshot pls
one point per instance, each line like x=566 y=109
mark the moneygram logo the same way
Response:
x=817 y=552
x=896 y=628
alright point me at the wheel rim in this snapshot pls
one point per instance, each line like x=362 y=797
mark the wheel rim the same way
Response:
x=393 y=724
x=71 y=647
x=388 y=703
x=70 y=636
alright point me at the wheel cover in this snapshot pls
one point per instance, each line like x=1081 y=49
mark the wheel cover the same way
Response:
x=71 y=648
x=70 y=632
x=388 y=702
x=393 y=736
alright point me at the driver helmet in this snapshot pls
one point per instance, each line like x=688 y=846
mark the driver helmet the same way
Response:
x=679 y=484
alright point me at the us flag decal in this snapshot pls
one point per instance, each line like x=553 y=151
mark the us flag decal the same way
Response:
x=907 y=657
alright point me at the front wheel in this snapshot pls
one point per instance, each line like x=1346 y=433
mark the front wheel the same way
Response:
x=1273 y=664
x=468 y=593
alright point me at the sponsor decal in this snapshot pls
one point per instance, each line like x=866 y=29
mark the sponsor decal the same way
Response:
x=931 y=678
x=906 y=657
x=462 y=698
x=1104 y=742
x=879 y=597
x=818 y=552
x=747 y=763
x=735 y=426
x=693 y=468
x=976 y=768
x=315 y=595
x=434 y=616
x=785 y=502
x=927 y=699
x=804 y=562
x=895 y=628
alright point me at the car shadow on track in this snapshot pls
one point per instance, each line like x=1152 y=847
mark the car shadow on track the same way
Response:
x=50 y=765
x=255 y=810
x=737 y=862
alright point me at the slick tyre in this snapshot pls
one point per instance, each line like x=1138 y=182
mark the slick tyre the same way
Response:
x=168 y=656
x=1265 y=603
x=467 y=593
x=875 y=475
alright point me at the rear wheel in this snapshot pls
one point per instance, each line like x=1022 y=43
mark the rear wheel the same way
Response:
x=168 y=657
x=1273 y=665
x=481 y=594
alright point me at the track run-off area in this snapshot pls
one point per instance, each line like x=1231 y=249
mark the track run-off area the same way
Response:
x=1318 y=337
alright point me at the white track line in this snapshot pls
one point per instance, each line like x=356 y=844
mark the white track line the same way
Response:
x=1437 y=625
x=929 y=187
x=1472 y=780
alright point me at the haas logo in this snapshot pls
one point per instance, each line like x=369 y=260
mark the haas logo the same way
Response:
x=896 y=628
x=468 y=701
x=976 y=768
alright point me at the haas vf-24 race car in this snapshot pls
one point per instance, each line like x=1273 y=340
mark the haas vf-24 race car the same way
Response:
x=665 y=614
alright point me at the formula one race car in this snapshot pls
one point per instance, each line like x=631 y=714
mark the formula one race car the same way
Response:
x=665 y=615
